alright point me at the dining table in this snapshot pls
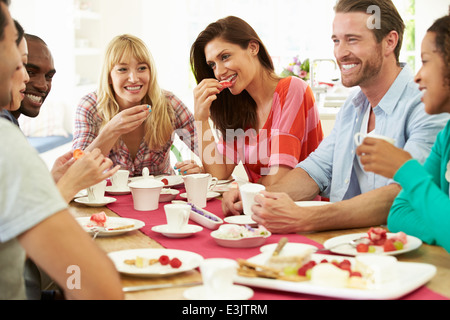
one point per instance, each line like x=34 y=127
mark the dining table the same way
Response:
x=437 y=288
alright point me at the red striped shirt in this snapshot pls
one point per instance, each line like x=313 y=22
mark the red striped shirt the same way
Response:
x=291 y=132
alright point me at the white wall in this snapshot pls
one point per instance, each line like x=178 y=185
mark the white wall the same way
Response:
x=427 y=11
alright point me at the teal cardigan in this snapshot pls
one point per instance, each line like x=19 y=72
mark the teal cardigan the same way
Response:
x=422 y=209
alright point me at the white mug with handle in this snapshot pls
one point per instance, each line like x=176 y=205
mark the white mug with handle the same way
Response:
x=359 y=138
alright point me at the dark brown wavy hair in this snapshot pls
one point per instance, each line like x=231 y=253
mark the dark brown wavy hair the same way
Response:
x=229 y=111
x=441 y=28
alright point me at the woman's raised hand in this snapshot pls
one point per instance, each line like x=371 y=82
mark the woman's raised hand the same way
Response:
x=204 y=95
x=129 y=119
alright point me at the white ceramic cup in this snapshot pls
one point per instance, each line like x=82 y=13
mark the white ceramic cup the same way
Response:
x=197 y=187
x=96 y=193
x=218 y=275
x=119 y=180
x=359 y=138
x=177 y=216
x=248 y=192
x=145 y=193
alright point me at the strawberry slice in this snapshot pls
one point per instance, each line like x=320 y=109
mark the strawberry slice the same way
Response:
x=77 y=154
x=225 y=84
x=165 y=181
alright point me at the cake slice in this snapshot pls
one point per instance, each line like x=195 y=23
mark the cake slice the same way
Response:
x=377 y=269
x=99 y=219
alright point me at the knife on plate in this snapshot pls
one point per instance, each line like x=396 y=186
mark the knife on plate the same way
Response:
x=160 y=286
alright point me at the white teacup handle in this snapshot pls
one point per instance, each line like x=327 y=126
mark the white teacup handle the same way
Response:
x=186 y=217
x=91 y=193
x=213 y=183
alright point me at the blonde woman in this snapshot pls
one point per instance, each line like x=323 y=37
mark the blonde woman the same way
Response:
x=130 y=118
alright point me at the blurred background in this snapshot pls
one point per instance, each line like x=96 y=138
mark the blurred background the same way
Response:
x=77 y=32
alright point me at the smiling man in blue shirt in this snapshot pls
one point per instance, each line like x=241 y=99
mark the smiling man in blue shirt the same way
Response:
x=387 y=103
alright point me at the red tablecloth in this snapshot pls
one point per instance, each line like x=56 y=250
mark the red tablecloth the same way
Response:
x=203 y=244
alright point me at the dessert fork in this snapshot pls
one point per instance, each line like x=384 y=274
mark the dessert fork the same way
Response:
x=352 y=243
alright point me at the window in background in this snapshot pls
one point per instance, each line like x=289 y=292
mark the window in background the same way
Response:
x=407 y=9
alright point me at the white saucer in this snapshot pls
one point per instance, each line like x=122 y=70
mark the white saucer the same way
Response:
x=241 y=220
x=112 y=190
x=82 y=193
x=85 y=201
x=210 y=195
x=187 y=231
x=236 y=293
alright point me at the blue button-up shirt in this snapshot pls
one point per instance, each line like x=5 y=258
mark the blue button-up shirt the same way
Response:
x=399 y=115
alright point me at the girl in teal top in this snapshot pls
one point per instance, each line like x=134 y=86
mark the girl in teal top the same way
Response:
x=422 y=208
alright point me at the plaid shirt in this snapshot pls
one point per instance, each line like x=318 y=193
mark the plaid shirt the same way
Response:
x=87 y=128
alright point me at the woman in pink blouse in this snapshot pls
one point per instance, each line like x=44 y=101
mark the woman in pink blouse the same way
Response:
x=130 y=118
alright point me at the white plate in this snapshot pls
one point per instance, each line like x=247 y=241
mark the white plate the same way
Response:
x=85 y=201
x=235 y=292
x=412 y=276
x=412 y=244
x=112 y=222
x=221 y=188
x=241 y=220
x=168 y=194
x=112 y=190
x=290 y=247
x=224 y=181
x=210 y=195
x=189 y=260
x=172 y=181
x=187 y=231
x=248 y=242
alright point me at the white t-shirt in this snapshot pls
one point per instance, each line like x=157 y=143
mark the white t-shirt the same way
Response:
x=28 y=195
x=362 y=175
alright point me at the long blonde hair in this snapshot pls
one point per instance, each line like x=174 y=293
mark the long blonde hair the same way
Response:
x=159 y=125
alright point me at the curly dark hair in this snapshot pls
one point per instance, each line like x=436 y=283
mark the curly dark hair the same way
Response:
x=441 y=28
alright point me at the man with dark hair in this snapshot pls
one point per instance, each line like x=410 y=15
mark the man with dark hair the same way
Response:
x=366 y=36
x=41 y=69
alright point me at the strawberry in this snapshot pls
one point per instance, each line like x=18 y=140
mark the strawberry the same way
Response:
x=355 y=274
x=389 y=246
x=362 y=247
x=345 y=265
x=302 y=271
x=165 y=181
